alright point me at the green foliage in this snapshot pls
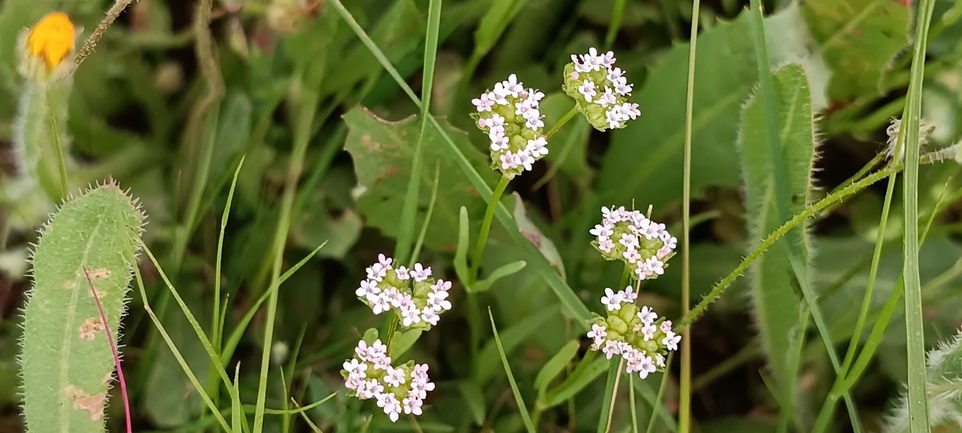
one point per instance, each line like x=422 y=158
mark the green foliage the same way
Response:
x=774 y=296
x=67 y=364
x=859 y=39
x=382 y=153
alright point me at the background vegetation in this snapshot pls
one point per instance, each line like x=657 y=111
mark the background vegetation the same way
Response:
x=305 y=100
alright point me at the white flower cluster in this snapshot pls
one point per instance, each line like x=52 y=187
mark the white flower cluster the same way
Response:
x=415 y=297
x=511 y=116
x=639 y=336
x=370 y=375
x=925 y=131
x=600 y=90
x=643 y=244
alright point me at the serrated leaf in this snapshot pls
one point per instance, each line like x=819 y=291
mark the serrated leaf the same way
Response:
x=858 y=39
x=382 y=153
x=67 y=363
x=772 y=285
x=645 y=159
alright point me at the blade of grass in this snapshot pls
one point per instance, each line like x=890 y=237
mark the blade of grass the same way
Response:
x=514 y=386
x=306 y=418
x=235 y=336
x=657 y=404
x=911 y=117
x=610 y=395
x=201 y=335
x=180 y=359
x=409 y=211
x=305 y=108
x=217 y=322
x=617 y=16
x=561 y=289
x=782 y=195
x=684 y=393
x=236 y=414
x=427 y=216
x=289 y=373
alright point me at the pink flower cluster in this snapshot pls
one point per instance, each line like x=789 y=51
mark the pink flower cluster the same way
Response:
x=637 y=335
x=396 y=389
x=510 y=115
x=641 y=243
x=412 y=294
x=600 y=89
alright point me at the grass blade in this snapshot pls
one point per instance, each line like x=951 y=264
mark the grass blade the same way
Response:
x=409 y=211
x=608 y=398
x=684 y=393
x=427 y=217
x=794 y=239
x=514 y=386
x=916 y=395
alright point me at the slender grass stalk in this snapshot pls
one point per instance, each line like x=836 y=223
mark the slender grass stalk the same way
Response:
x=656 y=407
x=486 y=227
x=911 y=117
x=427 y=217
x=514 y=386
x=684 y=394
x=614 y=397
x=631 y=404
x=561 y=122
x=409 y=210
x=180 y=359
x=113 y=350
x=306 y=109
x=217 y=321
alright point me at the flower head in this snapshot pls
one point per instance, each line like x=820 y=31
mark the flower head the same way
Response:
x=629 y=236
x=510 y=115
x=412 y=294
x=925 y=130
x=46 y=49
x=370 y=375
x=639 y=336
x=600 y=90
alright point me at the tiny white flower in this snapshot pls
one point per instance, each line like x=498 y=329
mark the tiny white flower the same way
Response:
x=355 y=368
x=629 y=294
x=419 y=273
x=368 y=287
x=606 y=245
x=659 y=360
x=630 y=241
x=602 y=230
x=483 y=103
x=645 y=367
x=611 y=299
x=631 y=256
x=587 y=89
x=429 y=315
x=665 y=326
x=412 y=405
x=648 y=331
x=671 y=340
x=394 y=377
x=647 y=315
x=402 y=273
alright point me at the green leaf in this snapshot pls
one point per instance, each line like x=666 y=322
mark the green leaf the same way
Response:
x=533 y=234
x=464 y=241
x=576 y=382
x=772 y=285
x=67 y=364
x=504 y=271
x=316 y=225
x=499 y=15
x=554 y=366
x=649 y=151
x=487 y=360
x=514 y=386
x=858 y=39
x=370 y=335
x=474 y=399
x=382 y=153
x=403 y=341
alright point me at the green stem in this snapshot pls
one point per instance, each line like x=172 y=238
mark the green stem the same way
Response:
x=561 y=122
x=839 y=195
x=631 y=403
x=61 y=160
x=486 y=227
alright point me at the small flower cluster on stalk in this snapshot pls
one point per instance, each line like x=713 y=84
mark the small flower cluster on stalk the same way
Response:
x=644 y=245
x=600 y=90
x=510 y=115
x=369 y=375
x=639 y=336
x=416 y=298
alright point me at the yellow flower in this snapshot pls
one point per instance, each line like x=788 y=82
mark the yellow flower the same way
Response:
x=46 y=46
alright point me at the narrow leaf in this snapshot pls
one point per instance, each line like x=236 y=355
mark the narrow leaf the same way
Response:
x=514 y=386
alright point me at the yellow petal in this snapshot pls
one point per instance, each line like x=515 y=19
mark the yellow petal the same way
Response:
x=52 y=38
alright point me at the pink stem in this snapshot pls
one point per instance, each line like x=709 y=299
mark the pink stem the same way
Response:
x=113 y=349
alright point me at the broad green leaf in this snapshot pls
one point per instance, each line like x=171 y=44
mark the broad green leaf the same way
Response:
x=316 y=225
x=554 y=365
x=789 y=41
x=772 y=285
x=382 y=153
x=533 y=234
x=645 y=159
x=474 y=399
x=858 y=39
x=403 y=341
